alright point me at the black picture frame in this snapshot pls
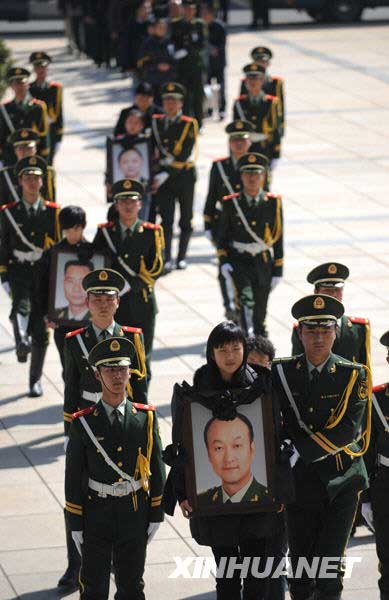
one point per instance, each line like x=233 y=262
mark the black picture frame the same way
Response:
x=209 y=501
x=58 y=308
x=138 y=163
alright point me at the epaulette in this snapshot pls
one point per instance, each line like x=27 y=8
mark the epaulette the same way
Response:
x=285 y=359
x=219 y=159
x=277 y=77
x=52 y=204
x=39 y=102
x=187 y=119
x=272 y=195
x=84 y=412
x=56 y=83
x=158 y=116
x=72 y=333
x=9 y=205
x=143 y=406
x=148 y=225
x=236 y=195
x=379 y=388
x=107 y=224
x=242 y=97
x=270 y=97
x=343 y=362
x=132 y=329
x=296 y=324
x=359 y=320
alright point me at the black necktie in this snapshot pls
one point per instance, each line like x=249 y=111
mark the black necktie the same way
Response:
x=31 y=212
x=104 y=334
x=116 y=426
x=314 y=378
x=253 y=203
x=228 y=501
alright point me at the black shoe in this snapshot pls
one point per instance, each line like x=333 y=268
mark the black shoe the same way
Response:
x=181 y=265
x=168 y=267
x=36 y=390
x=22 y=351
x=69 y=579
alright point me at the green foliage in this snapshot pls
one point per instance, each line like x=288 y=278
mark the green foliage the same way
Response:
x=5 y=64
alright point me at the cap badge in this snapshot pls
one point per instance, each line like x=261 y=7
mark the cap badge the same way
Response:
x=253 y=67
x=332 y=269
x=33 y=161
x=103 y=276
x=24 y=134
x=170 y=87
x=114 y=346
x=239 y=125
x=127 y=184
x=251 y=158
x=319 y=303
x=18 y=71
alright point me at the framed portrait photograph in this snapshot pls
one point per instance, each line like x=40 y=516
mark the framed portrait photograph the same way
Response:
x=128 y=160
x=231 y=462
x=67 y=298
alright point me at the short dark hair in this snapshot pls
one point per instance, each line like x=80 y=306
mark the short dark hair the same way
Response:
x=78 y=263
x=258 y=343
x=226 y=332
x=134 y=148
x=243 y=418
x=70 y=216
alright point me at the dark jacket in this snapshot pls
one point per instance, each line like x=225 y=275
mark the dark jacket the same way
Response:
x=209 y=389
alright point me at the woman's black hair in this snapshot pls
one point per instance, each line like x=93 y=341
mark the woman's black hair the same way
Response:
x=70 y=216
x=226 y=332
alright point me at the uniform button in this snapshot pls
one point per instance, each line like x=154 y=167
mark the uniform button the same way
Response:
x=311 y=409
x=98 y=451
x=126 y=256
x=311 y=427
x=32 y=232
x=120 y=464
x=120 y=479
x=119 y=448
x=253 y=222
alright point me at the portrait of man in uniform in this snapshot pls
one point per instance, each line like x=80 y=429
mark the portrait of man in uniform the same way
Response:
x=75 y=296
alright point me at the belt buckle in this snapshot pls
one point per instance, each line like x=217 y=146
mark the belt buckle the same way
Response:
x=120 y=488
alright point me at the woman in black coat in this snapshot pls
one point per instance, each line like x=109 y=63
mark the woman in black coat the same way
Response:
x=222 y=384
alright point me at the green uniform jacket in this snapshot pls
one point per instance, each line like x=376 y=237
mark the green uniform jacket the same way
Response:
x=85 y=509
x=51 y=94
x=216 y=190
x=214 y=495
x=316 y=408
x=32 y=115
x=80 y=377
x=48 y=189
x=42 y=231
x=264 y=116
x=352 y=340
x=189 y=36
x=175 y=142
x=265 y=220
x=379 y=441
x=274 y=86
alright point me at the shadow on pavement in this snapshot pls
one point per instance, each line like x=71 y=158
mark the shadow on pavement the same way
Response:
x=166 y=353
x=10 y=399
x=49 y=415
x=15 y=456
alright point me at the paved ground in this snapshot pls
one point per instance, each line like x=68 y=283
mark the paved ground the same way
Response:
x=334 y=176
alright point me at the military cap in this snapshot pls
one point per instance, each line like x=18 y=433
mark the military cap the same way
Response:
x=112 y=352
x=103 y=281
x=317 y=310
x=254 y=70
x=239 y=128
x=128 y=188
x=70 y=216
x=261 y=53
x=253 y=161
x=23 y=137
x=173 y=89
x=384 y=339
x=17 y=74
x=40 y=58
x=328 y=275
x=32 y=165
x=144 y=88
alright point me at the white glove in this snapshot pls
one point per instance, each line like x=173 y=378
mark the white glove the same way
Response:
x=367 y=514
x=152 y=530
x=6 y=287
x=65 y=443
x=274 y=282
x=226 y=269
x=294 y=458
x=208 y=234
x=273 y=163
x=126 y=289
x=78 y=539
x=180 y=54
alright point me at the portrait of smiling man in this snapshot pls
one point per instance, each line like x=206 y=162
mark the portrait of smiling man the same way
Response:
x=231 y=451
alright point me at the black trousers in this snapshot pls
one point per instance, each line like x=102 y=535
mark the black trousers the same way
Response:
x=379 y=493
x=260 y=12
x=128 y=558
x=254 y=587
x=178 y=187
x=321 y=529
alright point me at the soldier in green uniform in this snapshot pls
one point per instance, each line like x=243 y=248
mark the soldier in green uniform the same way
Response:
x=24 y=142
x=51 y=93
x=250 y=244
x=273 y=84
x=174 y=136
x=326 y=406
x=188 y=36
x=261 y=110
x=82 y=388
x=224 y=178
x=375 y=506
x=353 y=333
x=22 y=112
x=137 y=250
x=27 y=227
x=114 y=479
